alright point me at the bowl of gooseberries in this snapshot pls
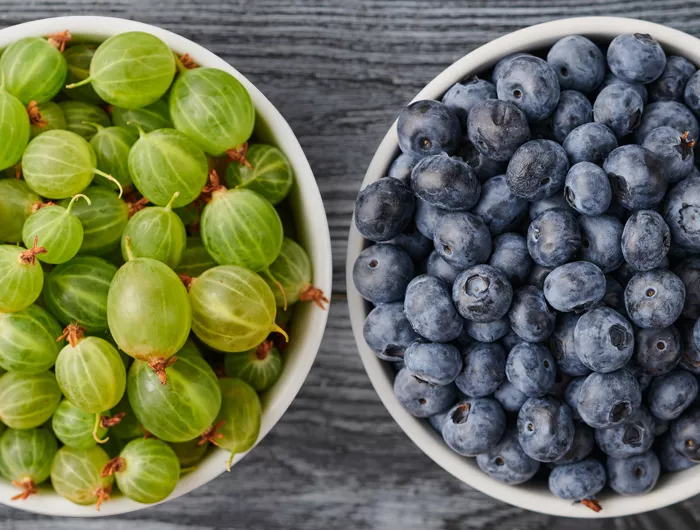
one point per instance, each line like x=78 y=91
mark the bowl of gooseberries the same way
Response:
x=165 y=266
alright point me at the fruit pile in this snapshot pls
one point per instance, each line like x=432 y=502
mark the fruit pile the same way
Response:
x=137 y=321
x=536 y=272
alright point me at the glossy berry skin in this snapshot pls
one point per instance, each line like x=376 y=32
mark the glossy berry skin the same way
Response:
x=428 y=307
x=428 y=128
x=682 y=213
x=474 y=426
x=382 y=272
x=483 y=370
x=691 y=93
x=388 y=332
x=685 y=434
x=670 y=113
x=531 y=85
x=563 y=348
x=612 y=79
x=646 y=240
x=587 y=189
x=655 y=298
x=383 y=209
x=636 y=58
x=510 y=398
x=499 y=208
x=427 y=217
x=604 y=340
x=670 y=459
x=530 y=316
x=482 y=293
x=579 y=481
x=575 y=286
x=635 y=475
x=507 y=462
x=462 y=239
x=497 y=128
x=606 y=400
x=582 y=446
x=446 y=182
x=674 y=152
x=578 y=63
x=636 y=176
x=553 y=238
x=619 y=108
x=572 y=393
x=633 y=437
x=462 y=96
x=670 y=394
x=688 y=271
x=511 y=257
x=590 y=142
x=537 y=170
x=434 y=363
x=573 y=110
x=545 y=428
x=419 y=398
x=487 y=331
x=500 y=66
x=439 y=268
x=531 y=369
x=657 y=350
x=670 y=86
x=401 y=168
x=600 y=241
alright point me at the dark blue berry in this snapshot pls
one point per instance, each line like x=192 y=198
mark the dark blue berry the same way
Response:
x=619 y=107
x=578 y=63
x=427 y=217
x=612 y=79
x=600 y=241
x=499 y=208
x=499 y=67
x=487 y=331
x=462 y=96
x=462 y=239
x=484 y=167
x=401 y=167
x=429 y=309
x=510 y=398
x=670 y=459
x=636 y=58
x=682 y=213
x=537 y=170
x=590 y=142
x=692 y=93
x=511 y=257
x=563 y=349
x=646 y=240
x=572 y=393
x=474 y=426
x=654 y=299
x=497 y=128
x=530 y=316
x=582 y=446
x=671 y=85
x=688 y=271
x=657 y=350
x=553 y=238
x=573 y=110
x=545 y=428
x=633 y=437
x=507 y=462
x=587 y=189
x=383 y=209
x=556 y=201
x=446 y=182
x=538 y=275
x=439 y=268
x=414 y=243
x=428 y=128
x=531 y=85
x=685 y=434
x=437 y=421
x=575 y=286
x=674 y=151
x=614 y=295
x=388 y=332
x=484 y=366
x=606 y=400
x=381 y=273
x=635 y=475
x=422 y=399
x=666 y=113
x=604 y=340
x=482 y=293
x=670 y=394
x=636 y=176
x=531 y=369
x=579 y=481
x=434 y=363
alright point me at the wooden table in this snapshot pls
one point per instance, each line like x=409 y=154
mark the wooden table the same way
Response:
x=340 y=71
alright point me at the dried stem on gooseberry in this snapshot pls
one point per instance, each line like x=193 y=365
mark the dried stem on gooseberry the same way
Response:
x=60 y=39
x=102 y=495
x=159 y=364
x=312 y=294
x=35 y=117
x=263 y=350
x=28 y=257
x=136 y=206
x=109 y=109
x=186 y=280
x=39 y=205
x=213 y=186
x=73 y=332
x=238 y=154
x=27 y=486
x=211 y=434
x=116 y=465
x=147 y=434
x=187 y=61
x=592 y=504
x=18 y=170
x=111 y=421
x=220 y=370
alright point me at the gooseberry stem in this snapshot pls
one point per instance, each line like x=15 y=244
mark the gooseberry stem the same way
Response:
x=263 y=350
x=27 y=486
x=110 y=178
x=98 y=421
x=69 y=209
x=28 y=257
x=129 y=251
x=142 y=133
x=85 y=81
x=159 y=364
x=229 y=462
x=310 y=293
x=73 y=332
x=592 y=504
x=116 y=465
x=277 y=329
x=60 y=39
x=35 y=117
x=169 y=206
x=102 y=495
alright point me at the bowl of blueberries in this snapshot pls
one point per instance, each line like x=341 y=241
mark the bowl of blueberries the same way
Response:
x=523 y=269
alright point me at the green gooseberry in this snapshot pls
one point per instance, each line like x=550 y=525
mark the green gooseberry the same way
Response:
x=195 y=258
x=77 y=291
x=129 y=427
x=239 y=419
x=60 y=232
x=81 y=118
x=146 y=471
x=184 y=408
x=284 y=210
x=260 y=367
x=156 y=233
x=131 y=70
x=149 y=118
x=78 y=58
x=90 y=372
x=213 y=108
x=17 y=202
x=21 y=277
x=103 y=220
x=77 y=428
x=25 y=458
x=111 y=146
x=267 y=172
x=189 y=215
x=28 y=340
x=190 y=453
x=59 y=164
x=44 y=117
x=28 y=400
x=165 y=161
x=14 y=129
x=34 y=69
x=148 y=311
x=233 y=309
x=76 y=475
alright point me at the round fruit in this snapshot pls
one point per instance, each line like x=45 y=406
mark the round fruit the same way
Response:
x=112 y=146
x=28 y=340
x=267 y=172
x=76 y=475
x=78 y=58
x=195 y=258
x=47 y=116
x=83 y=118
x=21 y=277
x=14 y=128
x=28 y=400
x=25 y=458
x=190 y=453
x=17 y=202
x=239 y=419
x=77 y=428
x=149 y=118
x=260 y=367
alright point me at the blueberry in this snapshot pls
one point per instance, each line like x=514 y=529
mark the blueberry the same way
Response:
x=462 y=96
x=670 y=113
x=507 y=462
x=660 y=426
x=582 y=446
x=445 y=182
x=633 y=437
x=511 y=257
x=427 y=217
x=530 y=316
x=573 y=110
x=636 y=176
x=427 y=128
x=579 y=481
x=510 y=340
x=670 y=394
x=537 y=170
x=499 y=208
x=429 y=309
x=614 y=295
x=604 y=340
x=562 y=346
x=388 y=332
x=531 y=369
x=434 y=363
x=670 y=459
x=556 y=201
x=422 y=399
x=401 y=167
x=571 y=395
x=617 y=211
x=612 y=79
x=483 y=369
x=643 y=378
x=437 y=421
x=538 y=275
x=510 y=398
x=606 y=400
x=578 y=63
x=635 y=475
x=657 y=350
x=561 y=383
x=587 y=189
x=646 y=240
x=654 y=299
x=624 y=273
x=414 y=243
x=482 y=293
x=462 y=239
x=688 y=271
x=619 y=108
x=383 y=209
x=484 y=168
x=439 y=268
x=575 y=286
x=545 y=428
x=685 y=434
x=474 y=426
x=696 y=334
x=381 y=273
x=692 y=93
x=531 y=85
x=674 y=151
x=553 y=238
x=682 y=213
x=671 y=85
x=497 y=128
x=600 y=241
x=636 y=58
x=499 y=68
x=590 y=142
x=487 y=331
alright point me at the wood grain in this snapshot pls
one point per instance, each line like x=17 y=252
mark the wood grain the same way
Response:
x=340 y=71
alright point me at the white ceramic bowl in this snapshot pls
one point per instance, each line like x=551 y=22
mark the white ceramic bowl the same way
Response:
x=532 y=496
x=309 y=321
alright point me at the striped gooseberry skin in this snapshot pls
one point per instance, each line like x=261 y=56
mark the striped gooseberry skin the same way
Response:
x=195 y=259
x=91 y=374
x=77 y=291
x=78 y=58
x=20 y=282
x=28 y=340
x=53 y=117
x=75 y=474
x=183 y=408
x=240 y=416
x=28 y=400
x=60 y=232
x=26 y=455
x=149 y=470
x=260 y=367
x=190 y=453
x=292 y=269
x=14 y=129
x=33 y=69
x=111 y=146
x=74 y=427
x=239 y=227
x=213 y=108
x=80 y=116
x=271 y=175
x=233 y=309
x=149 y=118
x=17 y=202
x=129 y=427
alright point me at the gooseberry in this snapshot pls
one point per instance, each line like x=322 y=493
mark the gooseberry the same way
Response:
x=129 y=427
x=195 y=258
x=260 y=367
x=45 y=117
x=112 y=145
x=17 y=202
x=25 y=458
x=82 y=117
x=190 y=453
x=28 y=400
x=75 y=475
x=14 y=129
x=149 y=118
x=265 y=171
x=80 y=429
x=78 y=58
x=28 y=340
x=21 y=277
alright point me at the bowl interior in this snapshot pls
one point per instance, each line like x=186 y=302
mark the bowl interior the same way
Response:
x=533 y=496
x=308 y=322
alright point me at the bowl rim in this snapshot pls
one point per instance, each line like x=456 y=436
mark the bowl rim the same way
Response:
x=672 y=488
x=314 y=233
